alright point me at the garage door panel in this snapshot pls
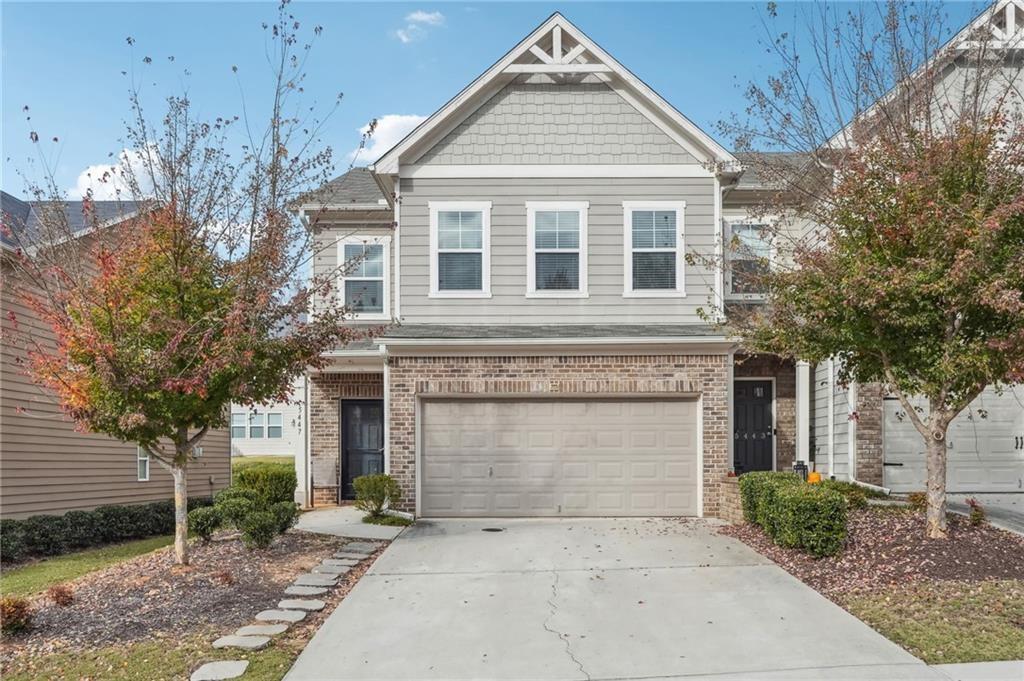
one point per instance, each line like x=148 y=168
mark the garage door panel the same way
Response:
x=550 y=457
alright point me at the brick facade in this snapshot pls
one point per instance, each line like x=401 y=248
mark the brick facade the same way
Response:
x=869 y=433
x=732 y=504
x=416 y=377
x=325 y=393
x=784 y=373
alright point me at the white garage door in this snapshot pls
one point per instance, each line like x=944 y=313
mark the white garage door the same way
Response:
x=559 y=458
x=985 y=446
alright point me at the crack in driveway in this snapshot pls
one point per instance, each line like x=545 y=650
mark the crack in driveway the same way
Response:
x=562 y=636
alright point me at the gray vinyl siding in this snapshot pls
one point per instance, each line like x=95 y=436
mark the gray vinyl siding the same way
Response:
x=508 y=304
x=841 y=423
x=532 y=122
x=47 y=466
x=326 y=260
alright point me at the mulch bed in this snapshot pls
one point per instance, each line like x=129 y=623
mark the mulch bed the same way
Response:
x=887 y=547
x=149 y=597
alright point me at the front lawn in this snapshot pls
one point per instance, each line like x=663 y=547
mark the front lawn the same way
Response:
x=240 y=462
x=958 y=600
x=37 y=577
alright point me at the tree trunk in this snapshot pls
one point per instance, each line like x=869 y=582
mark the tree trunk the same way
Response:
x=936 y=513
x=180 y=474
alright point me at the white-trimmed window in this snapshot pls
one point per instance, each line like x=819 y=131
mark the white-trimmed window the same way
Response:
x=750 y=253
x=460 y=249
x=556 y=233
x=275 y=426
x=142 y=464
x=237 y=426
x=364 y=275
x=653 y=248
x=255 y=425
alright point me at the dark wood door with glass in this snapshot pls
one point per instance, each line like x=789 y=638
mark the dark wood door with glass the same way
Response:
x=753 y=430
x=362 y=442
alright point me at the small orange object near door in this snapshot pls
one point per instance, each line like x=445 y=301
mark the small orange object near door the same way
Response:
x=813 y=477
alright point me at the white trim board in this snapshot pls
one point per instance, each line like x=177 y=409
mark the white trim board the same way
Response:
x=527 y=171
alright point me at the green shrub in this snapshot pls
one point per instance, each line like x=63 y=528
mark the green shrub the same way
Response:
x=234 y=493
x=287 y=513
x=15 y=614
x=259 y=529
x=374 y=493
x=752 y=487
x=12 y=540
x=117 y=522
x=855 y=495
x=160 y=517
x=82 y=529
x=809 y=517
x=197 y=502
x=234 y=510
x=44 y=535
x=272 y=483
x=204 y=522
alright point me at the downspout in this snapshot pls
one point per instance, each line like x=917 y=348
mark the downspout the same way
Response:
x=306 y=442
x=831 y=418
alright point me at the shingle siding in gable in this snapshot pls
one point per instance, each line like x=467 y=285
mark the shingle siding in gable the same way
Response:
x=530 y=122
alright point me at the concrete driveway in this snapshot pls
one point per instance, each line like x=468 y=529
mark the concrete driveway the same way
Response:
x=589 y=599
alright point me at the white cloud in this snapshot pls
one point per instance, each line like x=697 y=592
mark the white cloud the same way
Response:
x=112 y=181
x=390 y=130
x=416 y=24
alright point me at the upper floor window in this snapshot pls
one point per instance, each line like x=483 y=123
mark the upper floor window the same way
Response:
x=364 y=278
x=556 y=263
x=238 y=425
x=749 y=252
x=460 y=245
x=653 y=248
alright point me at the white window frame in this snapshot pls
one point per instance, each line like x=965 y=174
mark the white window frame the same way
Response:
x=366 y=240
x=628 y=208
x=140 y=456
x=532 y=207
x=484 y=207
x=262 y=425
x=244 y=426
x=280 y=425
x=731 y=222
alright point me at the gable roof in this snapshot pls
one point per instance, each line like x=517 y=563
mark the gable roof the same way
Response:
x=22 y=220
x=542 y=52
x=355 y=188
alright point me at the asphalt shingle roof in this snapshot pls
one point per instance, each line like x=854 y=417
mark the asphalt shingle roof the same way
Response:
x=356 y=187
x=755 y=162
x=23 y=219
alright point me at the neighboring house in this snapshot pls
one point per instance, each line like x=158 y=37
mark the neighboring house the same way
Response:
x=46 y=465
x=543 y=252
x=275 y=429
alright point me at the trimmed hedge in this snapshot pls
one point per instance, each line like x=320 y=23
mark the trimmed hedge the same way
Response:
x=272 y=483
x=794 y=514
x=51 y=535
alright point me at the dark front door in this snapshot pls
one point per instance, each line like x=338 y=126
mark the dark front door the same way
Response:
x=753 y=430
x=362 y=441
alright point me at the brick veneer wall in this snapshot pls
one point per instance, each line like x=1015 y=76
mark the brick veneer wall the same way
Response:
x=784 y=373
x=325 y=391
x=869 y=433
x=413 y=377
x=732 y=503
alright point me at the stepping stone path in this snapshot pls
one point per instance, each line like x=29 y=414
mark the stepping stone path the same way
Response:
x=262 y=630
x=350 y=555
x=310 y=579
x=301 y=604
x=361 y=547
x=220 y=671
x=344 y=562
x=331 y=569
x=280 y=616
x=244 y=642
x=305 y=590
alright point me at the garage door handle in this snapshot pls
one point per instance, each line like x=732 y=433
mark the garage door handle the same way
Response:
x=490 y=471
x=887 y=463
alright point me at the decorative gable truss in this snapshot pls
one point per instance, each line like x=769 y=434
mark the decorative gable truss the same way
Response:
x=1002 y=27
x=559 y=51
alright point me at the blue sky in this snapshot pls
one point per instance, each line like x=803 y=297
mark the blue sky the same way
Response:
x=393 y=61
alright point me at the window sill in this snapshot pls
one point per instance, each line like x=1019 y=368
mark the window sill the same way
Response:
x=459 y=294
x=746 y=297
x=369 y=317
x=654 y=293
x=556 y=294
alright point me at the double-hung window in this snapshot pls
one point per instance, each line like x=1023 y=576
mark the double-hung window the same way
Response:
x=653 y=248
x=274 y=425
x=460 y=245
x=556 y=233
x=364 y=275
x=255 y=425
x=237 y=426
x=749 y=258
x=142 y=464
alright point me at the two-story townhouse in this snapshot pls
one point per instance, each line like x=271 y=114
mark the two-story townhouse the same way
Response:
x=542 y=254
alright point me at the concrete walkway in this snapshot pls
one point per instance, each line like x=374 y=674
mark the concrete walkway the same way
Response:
x=983 y=671
x=344 y=521
x=1003 y=510
x=589 y=599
